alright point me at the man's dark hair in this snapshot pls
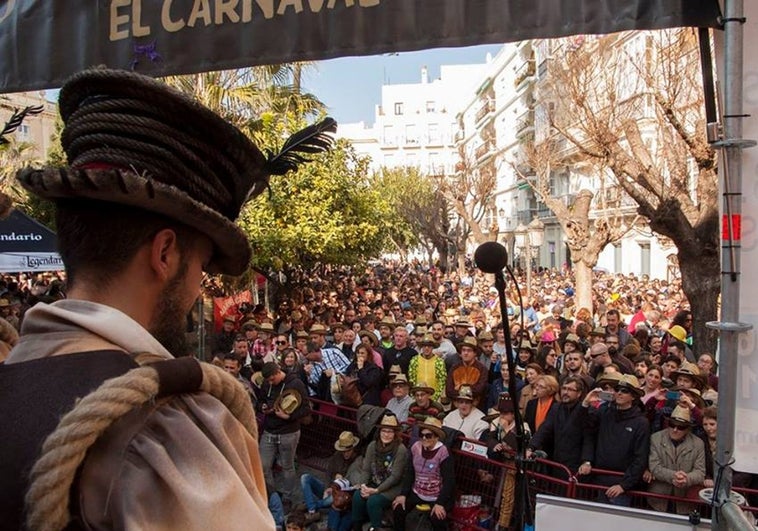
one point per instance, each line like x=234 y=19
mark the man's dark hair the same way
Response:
x=98 y=239
x=579 y=382
x=672 y=357
x=615 y=312
x=678 y=344
x=232 y=356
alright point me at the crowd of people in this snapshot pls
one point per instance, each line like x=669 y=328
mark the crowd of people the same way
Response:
x=615 y=394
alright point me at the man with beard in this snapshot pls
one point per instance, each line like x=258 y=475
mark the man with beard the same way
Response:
x=562 y=435
x=145 y=209
x=445 y=348
x=614 y=351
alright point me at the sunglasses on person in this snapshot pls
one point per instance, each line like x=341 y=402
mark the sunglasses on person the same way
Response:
x=624 y=390
x=678 y=427
x=427 y=435
x=281 y=342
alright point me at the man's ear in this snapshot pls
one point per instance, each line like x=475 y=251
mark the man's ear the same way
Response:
x=164 y=254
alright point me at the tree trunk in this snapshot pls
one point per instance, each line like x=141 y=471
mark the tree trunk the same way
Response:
x=583 y=276
x=701 y=282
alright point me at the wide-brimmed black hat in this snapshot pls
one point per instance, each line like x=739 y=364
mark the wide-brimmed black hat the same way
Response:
x=132 y=140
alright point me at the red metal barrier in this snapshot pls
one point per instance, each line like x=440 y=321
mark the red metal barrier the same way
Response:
x=477 y=475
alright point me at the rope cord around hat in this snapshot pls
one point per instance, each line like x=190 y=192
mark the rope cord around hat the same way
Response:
x=64 y=450
x=207 y=174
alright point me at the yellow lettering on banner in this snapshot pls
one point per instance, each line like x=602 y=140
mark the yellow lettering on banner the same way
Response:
x=369 y=3
x=9 y=5
x=284 y=4
x=137 y=29
x=117 y=21
x=201 y=9
x=228 y=8
x=168 y=24
x=267 y=6
x=316 y=5
x=348 y=3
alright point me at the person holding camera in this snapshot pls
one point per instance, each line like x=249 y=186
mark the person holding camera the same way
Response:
x=621 y=436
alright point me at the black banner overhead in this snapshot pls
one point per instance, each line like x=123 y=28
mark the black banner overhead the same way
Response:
x=44 y=41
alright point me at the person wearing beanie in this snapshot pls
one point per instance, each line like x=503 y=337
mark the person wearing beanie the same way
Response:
x=145 y=207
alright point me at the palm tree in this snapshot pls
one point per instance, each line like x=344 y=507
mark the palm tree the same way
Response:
x=251 y=98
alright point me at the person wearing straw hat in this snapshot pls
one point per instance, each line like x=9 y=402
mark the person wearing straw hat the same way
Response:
x=429 y=478
x=466 y=418
x=426 y=367
x=424 y=405
x=621 y=436
x=345 y=462
x=284 y=402
x=401 y=399
x=381 y=476
x=676 y=463
x=145 y=207
x=469 y=372
x=326 y=362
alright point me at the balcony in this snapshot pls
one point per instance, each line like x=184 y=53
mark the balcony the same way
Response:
x=483 y=150
x=524 y=72
x=460 y=134
x=525 y=123
x=487 y=107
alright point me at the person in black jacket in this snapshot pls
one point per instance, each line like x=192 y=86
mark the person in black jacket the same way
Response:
x=622 y=440
x=284 y=401
x=562 y=435
x=369 y=375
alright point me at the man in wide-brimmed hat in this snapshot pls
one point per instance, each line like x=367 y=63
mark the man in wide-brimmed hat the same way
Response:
x=346 y=461
x=469 y=372
x=427 y=367
x=430 y=480
x=621 y=436
x=423 y=404
x=146 y=205
x=466 y=418
x=281 y=425
x=677 y=461
x=326 y=361
x=401 y=399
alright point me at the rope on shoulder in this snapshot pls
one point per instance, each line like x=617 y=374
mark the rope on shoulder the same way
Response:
x=64 y=450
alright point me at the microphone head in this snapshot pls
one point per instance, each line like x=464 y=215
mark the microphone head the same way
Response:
x=491 y=257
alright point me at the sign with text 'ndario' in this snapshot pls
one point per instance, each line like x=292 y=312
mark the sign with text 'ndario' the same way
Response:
x=42 y=42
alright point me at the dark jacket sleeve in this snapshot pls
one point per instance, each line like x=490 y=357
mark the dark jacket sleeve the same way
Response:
x=408 y=478
x=591 y=424
x=638 y=464
x=447 y=494
x=369 y=376
x=545 y=432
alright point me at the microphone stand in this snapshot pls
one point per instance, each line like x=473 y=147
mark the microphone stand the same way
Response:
x=521 y=507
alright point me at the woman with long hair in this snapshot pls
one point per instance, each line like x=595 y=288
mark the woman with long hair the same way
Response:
x=381 y=475
x=533 y=370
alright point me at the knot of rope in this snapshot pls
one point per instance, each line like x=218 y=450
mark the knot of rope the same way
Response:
x=64 y=450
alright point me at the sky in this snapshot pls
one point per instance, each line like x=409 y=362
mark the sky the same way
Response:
x=351 y=86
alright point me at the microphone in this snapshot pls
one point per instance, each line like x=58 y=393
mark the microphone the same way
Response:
x=491 y=257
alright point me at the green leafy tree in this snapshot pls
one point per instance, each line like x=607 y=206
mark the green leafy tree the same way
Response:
x=325 y=213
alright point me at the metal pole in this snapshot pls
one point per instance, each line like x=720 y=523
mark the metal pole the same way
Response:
x=729 y=326
x=528 y=246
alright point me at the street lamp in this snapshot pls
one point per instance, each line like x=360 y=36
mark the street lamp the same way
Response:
x=528 y=237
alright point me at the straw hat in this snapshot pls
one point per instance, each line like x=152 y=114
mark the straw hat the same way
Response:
x=462 y=324
x=608 y=378
x=288 y=401
x=370 y=335
x=187 y=164
x=485 y=336
x=694 y=395
x=389 y=421
x=631 y=382
x=346 y=441
x=465 y=393
x=422 y=386
x=467 y=341
x=691 y=371
x=318 y=329
x=400 y=379
x=492 y=414
x=427 y=341
x=266 y=327
x=434 y=425
x=598 y=331
x=681 y=415
x=388 y=321
x=572 y=338
x=302 y=334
